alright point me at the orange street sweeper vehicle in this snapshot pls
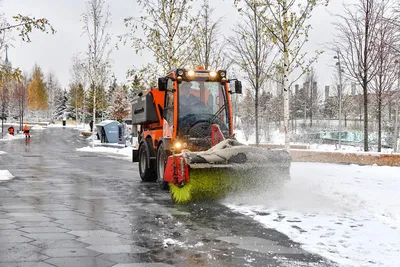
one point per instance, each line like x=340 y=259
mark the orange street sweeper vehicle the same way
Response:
x=185 y=139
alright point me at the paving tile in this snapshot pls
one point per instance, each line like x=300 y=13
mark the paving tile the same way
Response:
x=26 y=214
x=80 y=261
x=42 y=230
x=90 y=226
x=32 y=219
x=25 y=264
x=76 y=221
x=4 y=226
x=118 y=249
x=69 y=252
x=42 y=236
x=20 y=252
x=102 y=240
x=94 y=233
x=10 y=232
x=14 y=239
x=37 y=224
x=64 y=243
x=6 y=221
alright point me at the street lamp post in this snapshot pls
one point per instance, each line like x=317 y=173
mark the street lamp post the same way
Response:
x=340 y=98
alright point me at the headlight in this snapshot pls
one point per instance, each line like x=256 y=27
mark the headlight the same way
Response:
x=177 y=145
x=190 y=73
x=213 y=74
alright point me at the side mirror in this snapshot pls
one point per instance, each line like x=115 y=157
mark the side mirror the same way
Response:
x=238 y=87
x=162 y=84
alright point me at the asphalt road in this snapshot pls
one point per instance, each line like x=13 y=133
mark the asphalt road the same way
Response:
x=70 y=208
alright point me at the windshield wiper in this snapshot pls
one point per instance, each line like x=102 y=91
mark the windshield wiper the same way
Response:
x=217 y=113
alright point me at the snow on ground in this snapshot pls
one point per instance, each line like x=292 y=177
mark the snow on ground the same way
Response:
x=37 y=127
x=349 y=214
x=2 y=152
x=8 y=137
x=5 y=175
x=117 y=150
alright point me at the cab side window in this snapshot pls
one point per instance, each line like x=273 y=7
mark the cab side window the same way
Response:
x=169 y=102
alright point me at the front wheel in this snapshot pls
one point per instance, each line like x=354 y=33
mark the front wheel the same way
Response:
x=146 y=170
x=161 y=163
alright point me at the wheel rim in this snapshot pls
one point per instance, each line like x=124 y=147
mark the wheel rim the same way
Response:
x=143 y=161
x=161 y=166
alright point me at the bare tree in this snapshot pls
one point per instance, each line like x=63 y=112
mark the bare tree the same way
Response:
x=252 y=52
x=167 y=30
x=356 y=42
x=387 y=37
x=97 y=62
x=286 y=25
x=78 y=79
x=20 y=100
x=208 y=42
x=311 y=95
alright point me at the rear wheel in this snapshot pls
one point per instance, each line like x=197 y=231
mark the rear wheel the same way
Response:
x=146 y=168
x=162 y=157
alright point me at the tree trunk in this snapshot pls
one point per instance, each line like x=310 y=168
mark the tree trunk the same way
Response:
x=380 y=121
x=286 y=78
x=365 y=77
x=257 y=74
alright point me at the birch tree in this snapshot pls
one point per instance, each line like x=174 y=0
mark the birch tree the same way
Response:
x=286 y=23
x=357 y=30
x=252 y=53
x=97 y=62
x=24 y=25
x=165 y=29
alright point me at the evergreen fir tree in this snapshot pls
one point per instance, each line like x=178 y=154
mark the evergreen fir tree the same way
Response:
x=61 y=105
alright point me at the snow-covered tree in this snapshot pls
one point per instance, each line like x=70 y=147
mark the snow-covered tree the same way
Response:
x=247 y=117
x=53 y=90
x=61 y=105
x=121 y=106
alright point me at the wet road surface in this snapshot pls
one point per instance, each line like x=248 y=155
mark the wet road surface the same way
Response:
x=70 y=208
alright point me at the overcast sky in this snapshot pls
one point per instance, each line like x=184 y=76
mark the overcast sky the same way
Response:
x=54 y=52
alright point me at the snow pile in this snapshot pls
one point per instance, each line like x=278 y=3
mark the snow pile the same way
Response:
x=125 y=151
x=8 y=137
x=37 y=127
x=347 y=213
x=5 y=175
x=2 y=152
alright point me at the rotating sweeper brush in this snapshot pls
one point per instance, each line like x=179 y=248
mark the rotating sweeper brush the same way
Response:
x=226 y=168
x=183 y=131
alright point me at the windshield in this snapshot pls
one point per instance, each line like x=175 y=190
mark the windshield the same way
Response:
x=202 y=102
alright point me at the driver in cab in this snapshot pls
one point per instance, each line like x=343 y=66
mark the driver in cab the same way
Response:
x=186 y=99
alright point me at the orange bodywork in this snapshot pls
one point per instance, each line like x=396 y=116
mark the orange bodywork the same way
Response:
x=155 y=131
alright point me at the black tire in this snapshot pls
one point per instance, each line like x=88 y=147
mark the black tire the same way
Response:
x=162 y=157
x=147 y=170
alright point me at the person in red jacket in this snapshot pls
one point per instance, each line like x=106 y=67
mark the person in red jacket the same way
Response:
x=11 y=130
x=26 y=131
